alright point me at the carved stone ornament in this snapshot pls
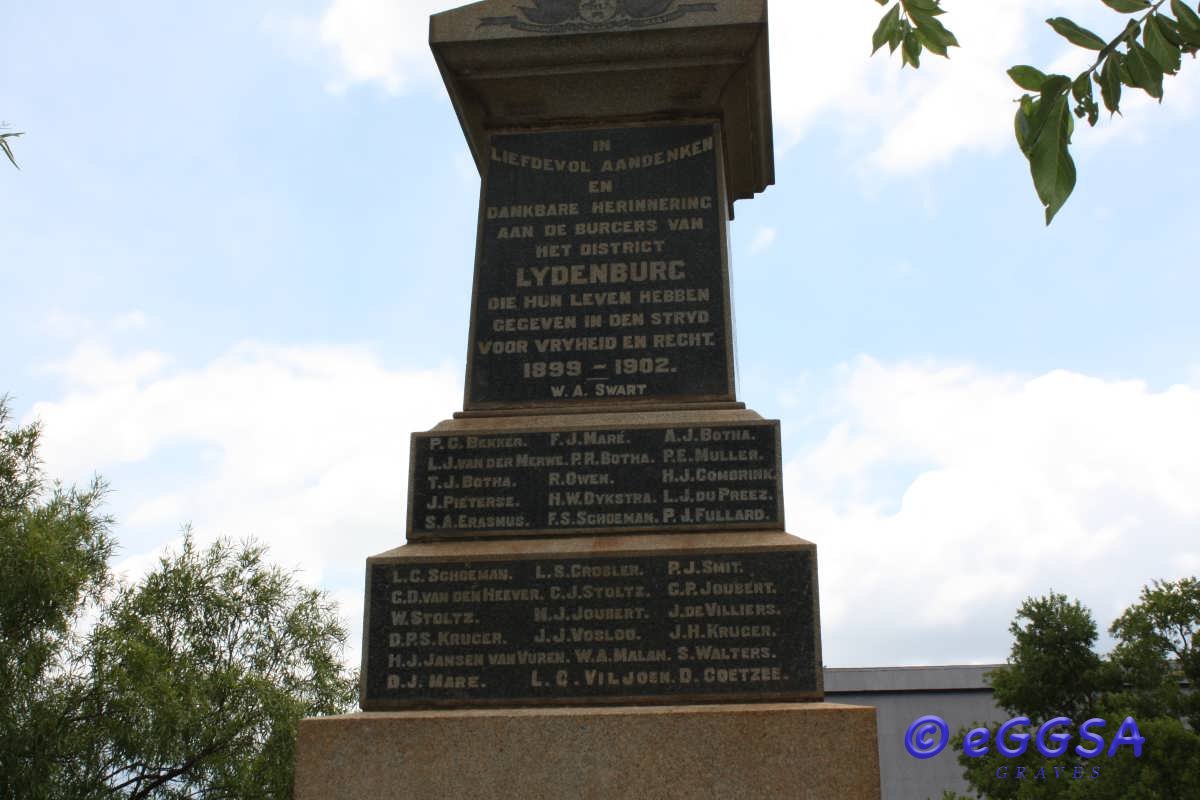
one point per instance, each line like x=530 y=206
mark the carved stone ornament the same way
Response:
x=569 y=16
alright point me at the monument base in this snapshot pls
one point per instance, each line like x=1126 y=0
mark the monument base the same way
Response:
x=798 y=751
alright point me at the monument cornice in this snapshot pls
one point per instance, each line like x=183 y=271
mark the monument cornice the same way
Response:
x=505 y=68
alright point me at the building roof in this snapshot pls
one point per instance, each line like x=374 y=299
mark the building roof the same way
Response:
x=909 y=679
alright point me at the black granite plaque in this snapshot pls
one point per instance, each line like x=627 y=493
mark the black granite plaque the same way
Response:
x=610 y=480
x=679 y=627
x=601 y=273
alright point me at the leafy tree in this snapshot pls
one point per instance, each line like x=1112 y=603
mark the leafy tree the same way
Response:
x=201 y=672
x=53 y=565
x=1054 y=671
x=1157 y=645
x=189 y=684
x=1150 y=44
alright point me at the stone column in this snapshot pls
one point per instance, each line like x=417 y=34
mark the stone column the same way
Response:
x=598 y=597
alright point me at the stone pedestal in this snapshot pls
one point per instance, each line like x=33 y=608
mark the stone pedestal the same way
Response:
x=817 y=751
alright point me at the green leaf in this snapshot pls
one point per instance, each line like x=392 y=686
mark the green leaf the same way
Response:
x=1126 y=75
x=1055 y=84
x=1023 y=124
x=4 y=145
x=1085 y=98
x=1166 y=54
x=886 y=30
x=930 y=7
x=1146 y=72
x=930 y=44
x=1075 y=34
x=883 y=2
x=1081 y=87
x=1038 y=111
x=1189 y=22
x=1131 y=32
x=1127 y=6
x=933 y=34
x=1188 y=18
x=1050 y=160
x=1170 y=30
x=1027 y=77
x=911 y=50
x=1110 y=83
x=1190 y=37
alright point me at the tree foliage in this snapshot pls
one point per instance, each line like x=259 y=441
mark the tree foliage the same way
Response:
x=1054 y=667
x=202 y=671
x=188 y=683
x=1150 y=45
x=53 y=564
x=912 y=26
x=1157 y=644
x=1053 y=671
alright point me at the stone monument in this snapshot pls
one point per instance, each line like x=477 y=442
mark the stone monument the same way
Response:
x=597 y=597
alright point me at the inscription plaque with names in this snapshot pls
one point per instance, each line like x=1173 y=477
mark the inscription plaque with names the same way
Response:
x=662 y=628
x=667 y=478
x=601 y=273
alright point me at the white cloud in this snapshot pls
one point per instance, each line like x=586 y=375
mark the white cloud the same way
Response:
x=964 y=104
x=93 y=365
x=65 y=325
x=303 y=448
x=131 y=321
x=763 y=239
x=1008 y=486
x=384 y=41
x=905 y=120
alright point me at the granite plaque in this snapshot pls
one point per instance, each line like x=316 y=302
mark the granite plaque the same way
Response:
x=608 y=480
x=601 y=273
x=684 y=627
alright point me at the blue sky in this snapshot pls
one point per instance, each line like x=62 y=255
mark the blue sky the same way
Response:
x=235 y=271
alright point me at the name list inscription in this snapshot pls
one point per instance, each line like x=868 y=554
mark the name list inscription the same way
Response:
x=723 y=476
x=601 y=271
x=718 y=625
